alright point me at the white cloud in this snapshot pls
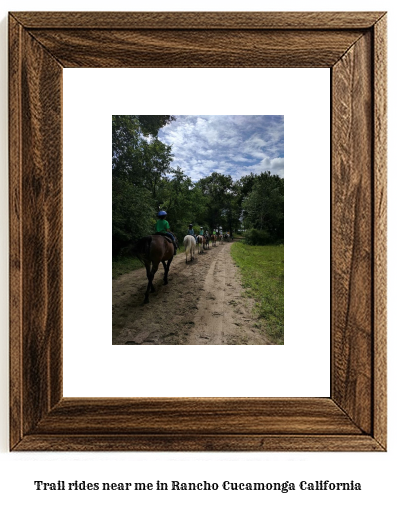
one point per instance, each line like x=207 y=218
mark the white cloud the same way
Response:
x=234 y=144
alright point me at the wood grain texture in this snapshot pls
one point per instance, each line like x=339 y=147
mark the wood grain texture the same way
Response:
x=42 y=230
x=36 y=243
x=199 y=443
x=354 y=46
x=352 y=233
x=200 y=20
x=196 y=48
x=173 y=416
x=15 y=233
x=380 y=230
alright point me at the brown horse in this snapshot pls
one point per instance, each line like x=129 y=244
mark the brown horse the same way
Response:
x=201 y=243
x=213 y=239
x=151 y=250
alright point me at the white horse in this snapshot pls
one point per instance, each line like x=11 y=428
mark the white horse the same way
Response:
x=190 y=245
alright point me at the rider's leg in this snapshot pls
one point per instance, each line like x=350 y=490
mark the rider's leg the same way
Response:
x=172 y=237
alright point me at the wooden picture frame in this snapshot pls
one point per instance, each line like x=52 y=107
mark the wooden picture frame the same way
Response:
x=353 y=46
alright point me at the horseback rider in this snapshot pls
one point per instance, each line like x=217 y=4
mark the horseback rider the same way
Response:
x=163 y=228
x=203 y=238
x=191 y=232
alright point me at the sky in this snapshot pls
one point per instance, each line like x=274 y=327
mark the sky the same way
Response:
x=231 y=145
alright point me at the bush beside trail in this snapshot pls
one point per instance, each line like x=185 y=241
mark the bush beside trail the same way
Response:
x=255 y=237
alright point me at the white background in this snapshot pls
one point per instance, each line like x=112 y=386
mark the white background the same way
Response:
x=207 y=371
x=18 y=471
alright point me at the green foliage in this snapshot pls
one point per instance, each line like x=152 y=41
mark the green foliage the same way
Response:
x=156 y=160
x=132 y=210
x=126 y=141
x=139 y=163
x=123 y=265
x=256 y=238
x=183 y=201
x=263 y=208
x=262 y=269
x=244 y=186
x=143 y=161
x=151 y=124
x=222 y=207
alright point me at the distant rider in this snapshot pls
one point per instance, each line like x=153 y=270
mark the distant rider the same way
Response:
x=163 y=228
x=191 y=232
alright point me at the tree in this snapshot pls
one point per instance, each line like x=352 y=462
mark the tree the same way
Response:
x=137 y=158
x=126 y=141
x=151 y=124
x=132 y=214
x=139 y=162
x=183 y=201
x=263 y=208
x=156 y=160
x=220 y=192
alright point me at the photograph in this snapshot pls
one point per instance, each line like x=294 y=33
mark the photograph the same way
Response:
x=198 y=229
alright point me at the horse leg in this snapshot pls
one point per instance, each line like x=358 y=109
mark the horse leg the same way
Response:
x=155 y=267
x=150 y=275
x=166 y=269
x=149 y=285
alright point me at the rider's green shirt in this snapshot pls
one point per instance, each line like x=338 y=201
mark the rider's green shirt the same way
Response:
x=162 y=226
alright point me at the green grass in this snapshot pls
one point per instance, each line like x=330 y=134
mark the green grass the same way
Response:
x=262 y=269
x=123 y=265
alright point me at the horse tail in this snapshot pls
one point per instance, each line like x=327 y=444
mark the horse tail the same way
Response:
x=148 y=244
x=141 y=249
x=189 y=243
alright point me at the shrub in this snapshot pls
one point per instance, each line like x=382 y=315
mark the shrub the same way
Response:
x=255 y=237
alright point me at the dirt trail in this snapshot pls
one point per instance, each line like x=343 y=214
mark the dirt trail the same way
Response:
x=201 y=305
